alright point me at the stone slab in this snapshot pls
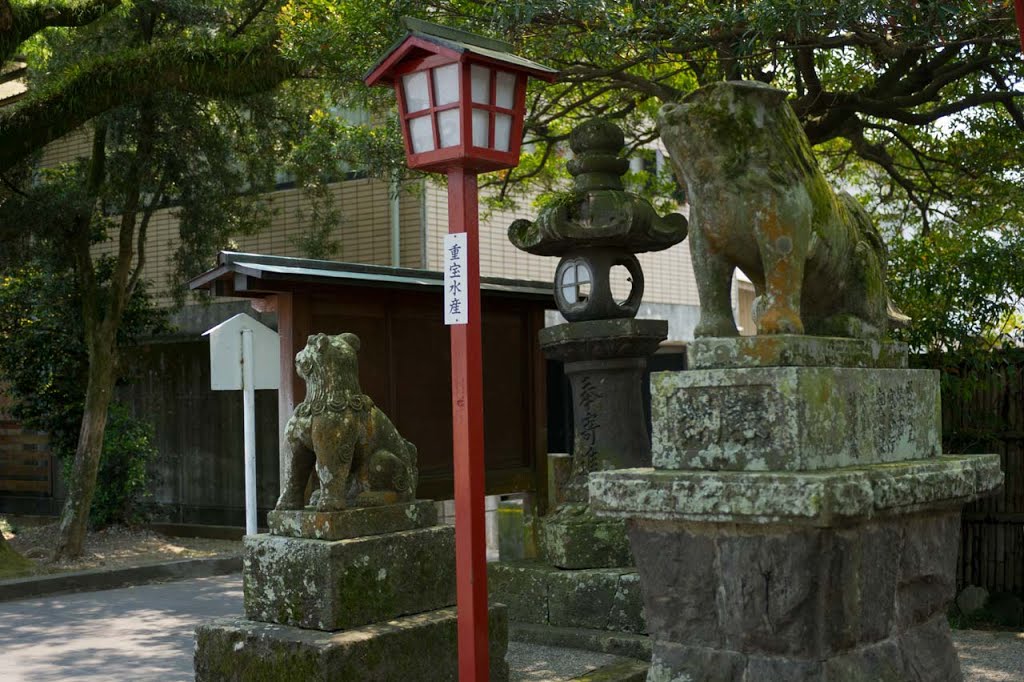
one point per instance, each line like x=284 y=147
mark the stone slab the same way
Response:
x=778 y=602
x=817 y=498
x=925 y=654
x=352 y=523
x=422 y=647
x=600 y=641
x=602 y=339
x=803 y=593
x=603 y=599
x=793 y=418
x=342 y=584
x=788 y=350
x=573 y=538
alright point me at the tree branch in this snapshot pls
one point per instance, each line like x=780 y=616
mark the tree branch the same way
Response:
x=878 y=154
x=249 y=18
x=19 y=21
x=233 y=68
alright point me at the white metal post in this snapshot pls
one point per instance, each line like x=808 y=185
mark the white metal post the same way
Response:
x=249 y=424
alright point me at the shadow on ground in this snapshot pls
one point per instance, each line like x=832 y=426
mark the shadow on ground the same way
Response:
x=136 y=633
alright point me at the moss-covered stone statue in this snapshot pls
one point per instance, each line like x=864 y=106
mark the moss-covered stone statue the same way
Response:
x=760 y=203
x=360 y=458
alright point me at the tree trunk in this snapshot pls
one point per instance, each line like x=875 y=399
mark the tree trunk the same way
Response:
x=74 y=519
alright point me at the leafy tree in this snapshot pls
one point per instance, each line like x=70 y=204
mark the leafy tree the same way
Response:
x=44 y=364
x=177 y=97
x=915 y=106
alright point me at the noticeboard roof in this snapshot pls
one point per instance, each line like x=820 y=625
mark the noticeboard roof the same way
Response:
x=255 y=276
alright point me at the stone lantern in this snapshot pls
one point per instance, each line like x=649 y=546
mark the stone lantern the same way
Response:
x=593 y=228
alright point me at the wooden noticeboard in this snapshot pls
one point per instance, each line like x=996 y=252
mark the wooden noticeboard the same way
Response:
x=404 y=362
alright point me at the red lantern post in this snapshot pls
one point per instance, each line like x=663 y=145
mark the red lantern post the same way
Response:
x=461 y=100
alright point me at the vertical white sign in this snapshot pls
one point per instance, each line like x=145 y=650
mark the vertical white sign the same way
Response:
x=456 y=299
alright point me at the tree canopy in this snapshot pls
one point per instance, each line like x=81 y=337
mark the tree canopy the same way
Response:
x=182 y=105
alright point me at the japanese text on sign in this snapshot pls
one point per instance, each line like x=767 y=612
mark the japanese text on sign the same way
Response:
x=455 y=298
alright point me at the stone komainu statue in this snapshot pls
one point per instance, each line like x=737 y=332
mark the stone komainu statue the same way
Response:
x=361 y=459
x=759 y=203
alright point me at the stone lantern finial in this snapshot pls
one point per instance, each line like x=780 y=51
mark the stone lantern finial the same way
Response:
x=596 y=226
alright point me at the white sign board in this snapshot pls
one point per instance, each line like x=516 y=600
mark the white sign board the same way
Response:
x=456 y=299
x=226 y=354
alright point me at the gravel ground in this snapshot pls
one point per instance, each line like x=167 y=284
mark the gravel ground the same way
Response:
x=990 y=656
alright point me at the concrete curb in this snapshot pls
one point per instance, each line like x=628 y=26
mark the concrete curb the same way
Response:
x=101 y=579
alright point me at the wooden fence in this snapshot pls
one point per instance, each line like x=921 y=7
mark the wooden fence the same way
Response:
x=988 y=416
x=26 y=466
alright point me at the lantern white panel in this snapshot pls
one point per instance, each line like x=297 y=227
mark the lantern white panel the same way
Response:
x=505 y=89
x=446 y=85
x=421 y=133
x=569 y=284
x=502 y=131
x=417 y=96
x=481 y=126
x=480 y=77
x=448 y=127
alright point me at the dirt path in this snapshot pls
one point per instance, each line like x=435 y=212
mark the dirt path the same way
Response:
x=113 y=547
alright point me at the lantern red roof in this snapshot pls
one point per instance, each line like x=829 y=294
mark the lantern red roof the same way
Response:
x=424 y=39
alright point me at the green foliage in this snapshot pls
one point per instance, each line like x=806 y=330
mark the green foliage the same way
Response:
x=963 y=287
x=124 y=479
x=12 y=564
x=43 y=360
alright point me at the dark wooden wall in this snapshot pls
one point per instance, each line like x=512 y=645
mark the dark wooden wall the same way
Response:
x=988 y=417
x=404 y=367
x=26 y=465
x=199 y=437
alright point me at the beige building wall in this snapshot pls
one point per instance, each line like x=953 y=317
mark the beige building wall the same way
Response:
x=364 y=234
x=668 y=274
x=76 y=145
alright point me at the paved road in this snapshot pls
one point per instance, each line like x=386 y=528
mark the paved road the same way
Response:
x=144 y=634
x=140 y=633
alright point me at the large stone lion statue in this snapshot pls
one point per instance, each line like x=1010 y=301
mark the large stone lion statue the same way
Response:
x=759 y=202
x=360 y=458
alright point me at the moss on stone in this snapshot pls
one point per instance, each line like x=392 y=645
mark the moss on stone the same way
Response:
x=12 y=564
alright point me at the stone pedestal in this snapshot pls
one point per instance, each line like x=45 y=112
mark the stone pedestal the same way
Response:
x=584 y=591
x=799 y=522
x=605 y=361
x=363 y=594
x=598 y=609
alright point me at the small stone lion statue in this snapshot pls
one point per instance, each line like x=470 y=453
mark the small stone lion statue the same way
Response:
x=360 y=458
x=759 y=202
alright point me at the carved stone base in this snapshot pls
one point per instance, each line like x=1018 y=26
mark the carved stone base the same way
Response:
x=419 y=647
x=335 y=585
x=812 y=576
x=859 y=604
x=352 y=523
x=606 y=599
x=793 y=418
